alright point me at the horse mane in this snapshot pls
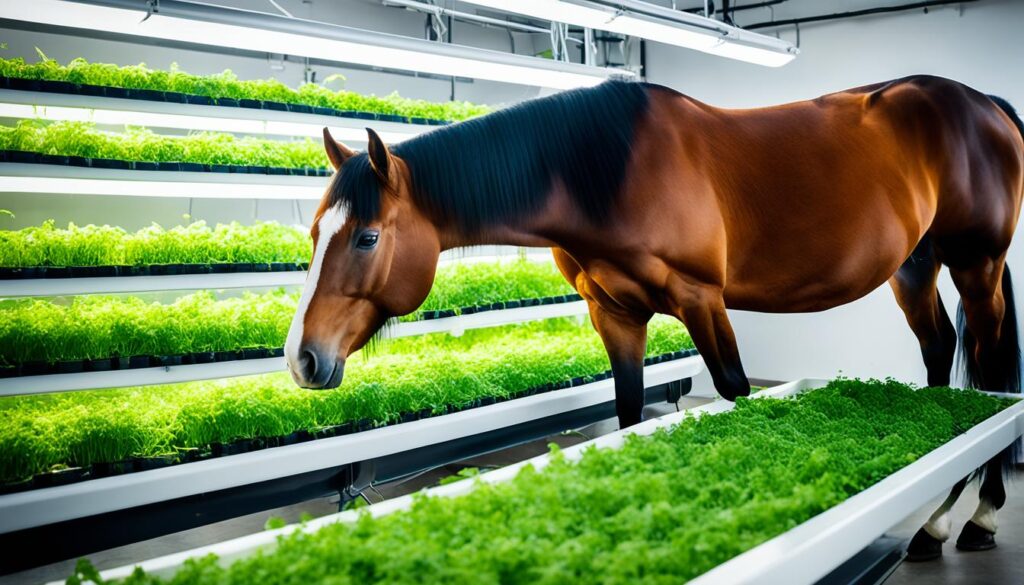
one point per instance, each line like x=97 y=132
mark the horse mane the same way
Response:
x=502 y=166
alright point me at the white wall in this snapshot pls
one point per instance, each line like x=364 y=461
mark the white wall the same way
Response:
x=980 y=46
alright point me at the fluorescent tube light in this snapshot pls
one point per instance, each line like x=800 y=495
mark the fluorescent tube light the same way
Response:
x=197 y=190
x=677 y=28
x=216 y=26
x=355 y=133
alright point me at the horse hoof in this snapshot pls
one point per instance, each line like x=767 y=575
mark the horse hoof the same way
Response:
x=974 y=538
x=923 y=547
x=731 y=395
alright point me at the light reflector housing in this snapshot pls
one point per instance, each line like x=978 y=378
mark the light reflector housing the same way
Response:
x=682 y=29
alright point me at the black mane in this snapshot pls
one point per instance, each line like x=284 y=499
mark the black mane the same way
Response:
x=501 y=166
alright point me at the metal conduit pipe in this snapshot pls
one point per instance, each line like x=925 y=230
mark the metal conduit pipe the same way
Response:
x=465 y=16
x=666 y=13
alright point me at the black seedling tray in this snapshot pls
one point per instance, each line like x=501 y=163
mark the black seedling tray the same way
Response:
x=98 y=470
x=30 y=272
x=499 y=306
x=182 y=98
x=21 y=156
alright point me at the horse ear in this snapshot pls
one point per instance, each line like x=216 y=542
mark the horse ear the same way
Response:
x=337 y=152
x=380 y=157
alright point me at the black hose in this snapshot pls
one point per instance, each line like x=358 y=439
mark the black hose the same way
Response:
x=853 y=13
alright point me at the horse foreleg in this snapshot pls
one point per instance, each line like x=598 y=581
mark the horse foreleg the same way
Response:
x=702 y=310
x=625 y=340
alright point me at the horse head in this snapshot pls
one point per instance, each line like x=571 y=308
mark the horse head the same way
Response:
x=374 y=257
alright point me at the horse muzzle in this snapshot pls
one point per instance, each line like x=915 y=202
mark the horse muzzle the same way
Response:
x=317 y=370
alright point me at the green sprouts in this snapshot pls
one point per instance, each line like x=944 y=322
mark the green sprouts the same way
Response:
x=661 y=509
x=44 y=432
x=139 y=144
x=196 y=243
x=98 y=327
x=228 y=85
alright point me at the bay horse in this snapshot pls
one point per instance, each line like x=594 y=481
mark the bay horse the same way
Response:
x=654 y=202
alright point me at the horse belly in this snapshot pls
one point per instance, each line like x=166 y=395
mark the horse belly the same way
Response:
x=833 y=262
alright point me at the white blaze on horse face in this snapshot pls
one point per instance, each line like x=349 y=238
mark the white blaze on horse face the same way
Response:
x=330 y=224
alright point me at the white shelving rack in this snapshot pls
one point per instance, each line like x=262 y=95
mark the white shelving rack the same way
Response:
x=44 y=506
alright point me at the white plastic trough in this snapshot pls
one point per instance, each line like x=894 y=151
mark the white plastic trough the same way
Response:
x=71 y=180
x=803 y=554
x=49 y=505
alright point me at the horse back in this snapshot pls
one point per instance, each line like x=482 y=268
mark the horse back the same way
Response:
x=818 y=202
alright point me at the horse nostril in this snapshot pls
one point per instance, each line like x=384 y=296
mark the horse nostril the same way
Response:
x=307 y=365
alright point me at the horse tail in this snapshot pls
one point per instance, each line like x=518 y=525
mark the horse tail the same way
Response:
x=1008 y=109
x=1005 y=374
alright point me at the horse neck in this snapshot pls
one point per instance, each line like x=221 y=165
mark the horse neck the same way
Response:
x=542 y=229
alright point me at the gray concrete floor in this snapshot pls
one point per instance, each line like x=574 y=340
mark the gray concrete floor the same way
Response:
x=1004 y=565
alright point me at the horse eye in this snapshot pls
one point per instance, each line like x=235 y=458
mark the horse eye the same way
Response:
x=367 y=241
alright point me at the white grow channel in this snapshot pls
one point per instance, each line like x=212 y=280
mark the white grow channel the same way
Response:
x=803 y=554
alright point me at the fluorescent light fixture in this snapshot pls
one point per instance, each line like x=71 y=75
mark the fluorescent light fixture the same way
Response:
x=354 y=133
x=671 y=27
x=201 y=24
x=185 y=189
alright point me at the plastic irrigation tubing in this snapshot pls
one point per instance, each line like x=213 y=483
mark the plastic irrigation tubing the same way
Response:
x=41 y=368
x=106 y=469
x=23 y=156
x=31 y=272
x=43 y=85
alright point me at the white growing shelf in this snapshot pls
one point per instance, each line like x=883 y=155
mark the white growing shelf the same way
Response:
x=185 y=373
x=52 y=287
x=801 y=555
x=69 y=180
x=49 y=505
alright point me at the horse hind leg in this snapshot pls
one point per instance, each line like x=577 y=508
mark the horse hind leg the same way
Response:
x=926 y=545
x=979 y=532
x=914 y=285
x=991 y=361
